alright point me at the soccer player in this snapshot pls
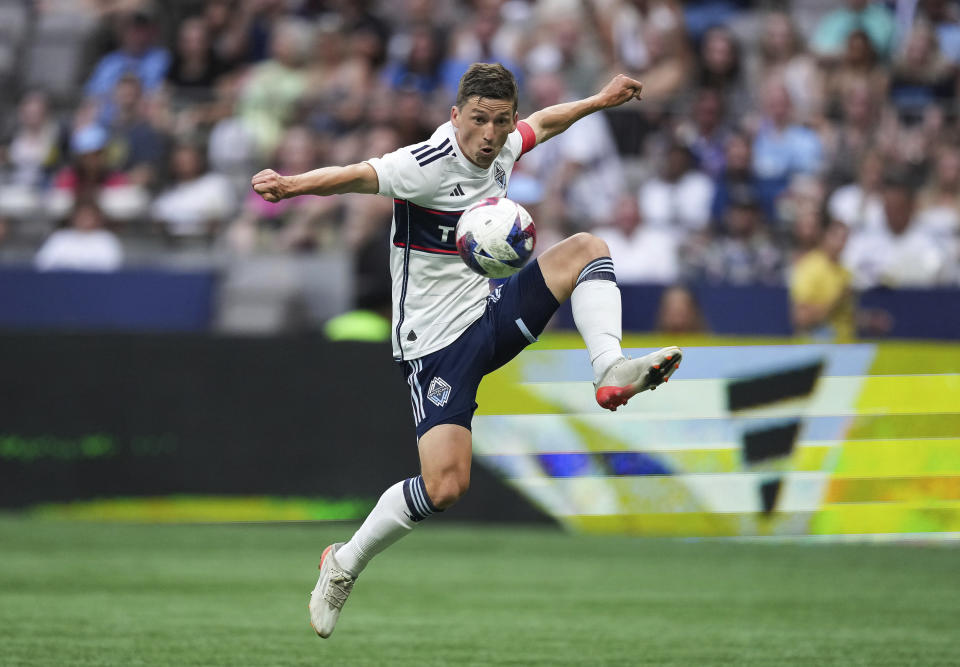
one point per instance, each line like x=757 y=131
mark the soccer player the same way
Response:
x=449 y=329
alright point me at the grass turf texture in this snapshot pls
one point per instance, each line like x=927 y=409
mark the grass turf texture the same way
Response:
x=122 y=594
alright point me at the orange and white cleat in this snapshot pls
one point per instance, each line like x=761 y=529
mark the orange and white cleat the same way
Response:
x=629 y=377
x=331 y=591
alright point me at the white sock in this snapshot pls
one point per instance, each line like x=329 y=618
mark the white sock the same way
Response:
x=597 y=313
x=396 y=513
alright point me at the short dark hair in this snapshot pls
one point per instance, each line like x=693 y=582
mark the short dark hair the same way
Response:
x=491 y=80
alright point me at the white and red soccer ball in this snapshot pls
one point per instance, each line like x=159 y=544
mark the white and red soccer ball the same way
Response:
x=495 y=237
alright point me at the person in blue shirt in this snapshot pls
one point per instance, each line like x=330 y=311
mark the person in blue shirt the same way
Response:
x=138 y=55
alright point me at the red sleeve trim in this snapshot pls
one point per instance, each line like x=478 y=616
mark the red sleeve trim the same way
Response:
x=529 y=138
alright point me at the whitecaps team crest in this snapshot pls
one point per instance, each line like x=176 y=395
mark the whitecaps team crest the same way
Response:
x=500 y=175
x=438 y=392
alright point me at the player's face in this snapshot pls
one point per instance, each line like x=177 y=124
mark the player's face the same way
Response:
x=483 y=125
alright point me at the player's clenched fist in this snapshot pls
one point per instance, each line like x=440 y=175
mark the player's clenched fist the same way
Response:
x=270 y=185
x=620 y=89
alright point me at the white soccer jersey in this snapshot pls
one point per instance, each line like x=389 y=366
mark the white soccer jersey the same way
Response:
x=435 y=296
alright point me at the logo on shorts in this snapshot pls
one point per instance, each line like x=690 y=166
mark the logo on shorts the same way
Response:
x=438 y=392
x=500 y=175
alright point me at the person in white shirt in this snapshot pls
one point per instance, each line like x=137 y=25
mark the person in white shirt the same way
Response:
x=642 y=254
x=449 y=329
x=901 y=254
x=84 y=246
x=859 y=205
x=679 y=198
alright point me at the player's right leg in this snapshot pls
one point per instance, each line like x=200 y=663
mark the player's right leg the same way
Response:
x=579 y=268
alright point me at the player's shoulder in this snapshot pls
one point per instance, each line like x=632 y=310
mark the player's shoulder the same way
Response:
x=431 y=154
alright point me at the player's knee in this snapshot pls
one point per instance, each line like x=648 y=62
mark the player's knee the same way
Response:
x=589 y=247
x=447 y=489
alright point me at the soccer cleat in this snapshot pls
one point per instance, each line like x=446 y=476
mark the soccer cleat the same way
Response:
x=628 y=377
x=331 y=591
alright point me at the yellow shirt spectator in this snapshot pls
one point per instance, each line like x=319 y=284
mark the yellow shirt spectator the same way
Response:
x=822 y=301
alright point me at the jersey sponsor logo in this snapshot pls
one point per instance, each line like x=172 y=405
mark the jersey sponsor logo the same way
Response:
x=438 y=392
x=427 y=154
x=457 y=191
x=500 y=175
x=429 y=230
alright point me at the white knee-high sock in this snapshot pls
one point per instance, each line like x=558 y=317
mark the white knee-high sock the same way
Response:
x=597 y=313
x=399 y=509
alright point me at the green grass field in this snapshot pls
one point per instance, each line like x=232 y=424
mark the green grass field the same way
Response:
x=121 y=594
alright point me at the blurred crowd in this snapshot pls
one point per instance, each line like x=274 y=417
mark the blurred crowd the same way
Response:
x=812 y=144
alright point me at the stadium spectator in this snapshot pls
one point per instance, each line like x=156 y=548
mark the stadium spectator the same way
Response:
x=806 y=195
x=679 y=198
x=136 y=147
x=743 y=254
x=197 y=202
x=340 y=79
x=706 y=132
x=370 y=33
x=270 y=95
x=642 y=254
x=859 y=205
x=938 y=207
x=781 y=53
x=781 y=146
x=720 y=66
x=420 y=68
x=944 y=16
x=83 y=246
x=646 y=38
x=139 y=54
x=244 y=31
x=921 y=76
x=872 y=17
x=679 y=312
x=90 y=176
x=860 y=66
x=561 y=46
x=485 y=38
x=806 y=227
x=900 y=254
x=737 y=180
x=821 y=288
x=849 y=138
x=195 y=66
x=33 y=146
x=28 y=156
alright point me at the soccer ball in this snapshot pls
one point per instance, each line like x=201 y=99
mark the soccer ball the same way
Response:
x=495 y=237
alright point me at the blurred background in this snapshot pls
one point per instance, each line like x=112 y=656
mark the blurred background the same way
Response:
x=792 y=175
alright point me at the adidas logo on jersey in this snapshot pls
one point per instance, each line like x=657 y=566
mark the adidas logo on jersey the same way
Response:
x=457 y=191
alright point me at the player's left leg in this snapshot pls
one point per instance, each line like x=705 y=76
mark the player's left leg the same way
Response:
x=445 y=454
x=579 y=268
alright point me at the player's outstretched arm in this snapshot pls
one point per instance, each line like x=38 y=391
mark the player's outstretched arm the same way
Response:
x=551 y=121
x=359 y=177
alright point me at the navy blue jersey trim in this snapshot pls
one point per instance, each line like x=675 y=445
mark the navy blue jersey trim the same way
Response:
x=406 y=275
x=424 y=163
x=425 y=154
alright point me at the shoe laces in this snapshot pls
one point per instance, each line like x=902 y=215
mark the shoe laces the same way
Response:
x=338 y=588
